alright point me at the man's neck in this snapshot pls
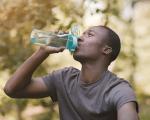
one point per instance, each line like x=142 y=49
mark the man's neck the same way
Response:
x=92 y=72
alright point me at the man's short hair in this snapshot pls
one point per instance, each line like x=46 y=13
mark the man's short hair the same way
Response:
x=113 y=42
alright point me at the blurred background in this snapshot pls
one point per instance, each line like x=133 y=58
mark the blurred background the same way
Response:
x=129 y=18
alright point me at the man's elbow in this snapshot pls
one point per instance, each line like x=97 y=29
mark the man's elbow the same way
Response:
x=9 y=92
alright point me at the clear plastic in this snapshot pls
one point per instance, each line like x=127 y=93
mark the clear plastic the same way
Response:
x=48 y=38
x=39 y=37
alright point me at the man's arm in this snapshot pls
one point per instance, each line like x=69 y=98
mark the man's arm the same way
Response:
x=21 y=84
x=128 y=112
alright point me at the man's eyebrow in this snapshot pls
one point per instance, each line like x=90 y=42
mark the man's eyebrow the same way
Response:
x=91 y=30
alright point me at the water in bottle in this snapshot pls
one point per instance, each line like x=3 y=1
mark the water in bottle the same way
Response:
x=39 y=37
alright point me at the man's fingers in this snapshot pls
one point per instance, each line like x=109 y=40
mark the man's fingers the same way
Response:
x=62 y=49
x=55 y=49
x=59 y=49
x=51 y=49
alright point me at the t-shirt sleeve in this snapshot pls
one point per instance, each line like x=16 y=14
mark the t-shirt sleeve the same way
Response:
x=50 y=81
x=123 y=94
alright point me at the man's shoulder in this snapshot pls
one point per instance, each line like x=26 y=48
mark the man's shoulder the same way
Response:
x=119 y=91
x=66 y=72
x=116 y=83
x=115 y=79
x=69 y=69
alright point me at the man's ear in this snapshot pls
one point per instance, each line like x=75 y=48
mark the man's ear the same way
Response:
x=107 y=49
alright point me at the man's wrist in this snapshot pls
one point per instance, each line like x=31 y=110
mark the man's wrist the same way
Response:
x=43 y=50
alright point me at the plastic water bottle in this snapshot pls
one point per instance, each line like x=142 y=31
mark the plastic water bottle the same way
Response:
x=39 y=37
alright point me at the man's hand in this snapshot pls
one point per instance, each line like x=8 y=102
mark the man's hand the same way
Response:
x=51 y=50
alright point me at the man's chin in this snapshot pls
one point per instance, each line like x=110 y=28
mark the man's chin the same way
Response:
x=75 y=56
x=78 y=58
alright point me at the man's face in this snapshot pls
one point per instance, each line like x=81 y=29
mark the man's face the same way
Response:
x=90 y=44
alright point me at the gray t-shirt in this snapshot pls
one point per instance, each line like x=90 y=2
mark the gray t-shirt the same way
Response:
x=97 y=101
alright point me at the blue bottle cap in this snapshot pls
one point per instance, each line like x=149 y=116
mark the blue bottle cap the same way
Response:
x=71 y=42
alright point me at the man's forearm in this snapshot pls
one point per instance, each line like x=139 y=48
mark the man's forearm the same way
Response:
x=22 y=77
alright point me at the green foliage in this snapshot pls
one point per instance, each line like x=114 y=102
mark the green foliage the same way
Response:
x=17 y=21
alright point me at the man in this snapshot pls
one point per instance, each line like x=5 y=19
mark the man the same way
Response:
x=94 y=93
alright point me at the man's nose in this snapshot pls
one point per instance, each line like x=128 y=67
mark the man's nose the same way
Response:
x=80 y=39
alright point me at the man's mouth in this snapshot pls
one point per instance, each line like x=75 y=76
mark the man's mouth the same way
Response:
x=77 y=48
x=79 y=44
